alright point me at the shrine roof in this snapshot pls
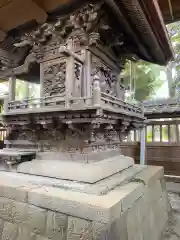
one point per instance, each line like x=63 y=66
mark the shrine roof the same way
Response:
x=146 y=36
x=170 y=10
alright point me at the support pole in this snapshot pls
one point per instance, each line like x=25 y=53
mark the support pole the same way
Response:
x=12 y=88
x=26 y=90
x=88 y=79
x=41 y=80
x=41 y=84
x=6 y=103
x=69 y=76
x=26 y=97
x=143 y=147
x=96 y=98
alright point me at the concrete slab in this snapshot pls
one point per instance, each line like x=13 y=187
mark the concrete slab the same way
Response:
x=83 y=172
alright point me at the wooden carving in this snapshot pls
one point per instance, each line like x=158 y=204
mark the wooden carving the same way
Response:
x=54 y=79
x=107 y=77
x=77 y=79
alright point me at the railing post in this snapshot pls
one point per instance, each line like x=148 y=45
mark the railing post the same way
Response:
x=96 y=98
x=141 y=105
x=6 y=103
x=12 y=88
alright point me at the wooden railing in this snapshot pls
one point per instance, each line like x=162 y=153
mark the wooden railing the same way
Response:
x=162 y=145
x=118 y=103
x=162 y=105
x=3 y=133
x=63 y=102
x=46 y=102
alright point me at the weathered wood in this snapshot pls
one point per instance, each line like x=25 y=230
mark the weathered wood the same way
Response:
x=12 y=88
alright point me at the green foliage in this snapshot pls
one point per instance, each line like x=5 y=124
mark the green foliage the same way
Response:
x=146 y=79
x=21 y=90
x=174 y=84
x=157 y=133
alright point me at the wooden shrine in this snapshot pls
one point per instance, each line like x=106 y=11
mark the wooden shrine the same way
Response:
x=75 y=50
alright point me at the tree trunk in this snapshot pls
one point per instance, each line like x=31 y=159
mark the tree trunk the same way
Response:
x=170 y=79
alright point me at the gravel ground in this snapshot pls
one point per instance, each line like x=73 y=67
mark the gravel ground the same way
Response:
x=172 y=231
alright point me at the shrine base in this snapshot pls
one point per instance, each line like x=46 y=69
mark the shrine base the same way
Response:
x=131 y=204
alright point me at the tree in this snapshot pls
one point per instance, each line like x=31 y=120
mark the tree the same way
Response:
x=174 y=83
x=21 y=90
x=145 y=79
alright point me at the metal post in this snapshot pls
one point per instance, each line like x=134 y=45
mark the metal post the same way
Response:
x=143 y=146
x=12 y=88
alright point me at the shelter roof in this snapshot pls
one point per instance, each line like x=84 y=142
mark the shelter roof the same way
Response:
x=146 y=35
x=170 y=10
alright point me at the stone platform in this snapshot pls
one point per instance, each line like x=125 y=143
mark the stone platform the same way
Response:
x=129 y=205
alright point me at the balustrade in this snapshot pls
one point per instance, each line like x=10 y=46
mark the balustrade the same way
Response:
x=162 y=131
x=162 y=105
x=105 y=100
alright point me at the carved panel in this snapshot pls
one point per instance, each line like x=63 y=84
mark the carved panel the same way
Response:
x=54 y=79
x=56 y=32
x=107 y=77
x=77 y=79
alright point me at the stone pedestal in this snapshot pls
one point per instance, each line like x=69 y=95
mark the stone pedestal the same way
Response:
x=131 y=204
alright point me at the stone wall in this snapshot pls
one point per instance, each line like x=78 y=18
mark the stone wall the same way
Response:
x=134 y=211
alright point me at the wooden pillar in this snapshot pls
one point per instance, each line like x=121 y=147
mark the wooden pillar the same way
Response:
x=69 y=74
x=26 y=90
x=6 y=103
x=96 y=92
x=160 y=129
x=118 y=90
x=12 y=88
x=169 y=133
x=153 y=133
x=41 y=80
x=143 y=146
x=135 y=136
x=177 y=133
x=87 y=75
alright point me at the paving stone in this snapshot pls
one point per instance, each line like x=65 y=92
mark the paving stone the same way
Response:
x=150 y=175
x=25 y=234
x=79 y=229
x=82 y=205
x=15 y=190
x=133 y=225
x=12 y=211
x=10 y=231
x=41 y=238
x=130 y=193
x=35 y=219
x=1 y=227
x=56 y=227
x=118 y=229
x=99 y=230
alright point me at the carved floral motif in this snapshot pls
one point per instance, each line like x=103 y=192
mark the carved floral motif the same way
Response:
x=54 y=79
x=77 y=79
x=107 y=77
